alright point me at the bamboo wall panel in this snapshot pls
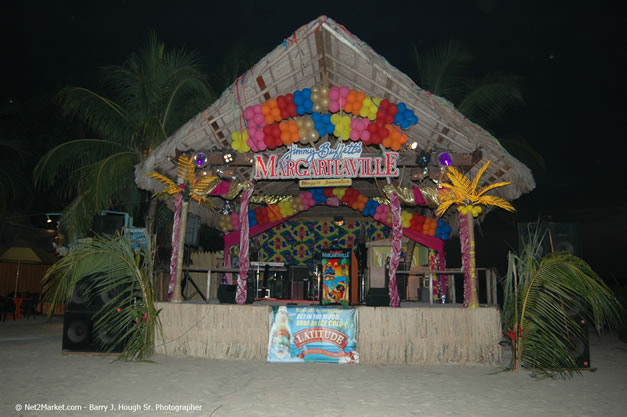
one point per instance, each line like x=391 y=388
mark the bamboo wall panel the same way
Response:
x=429 y=336
x=412 y=336
x=215 y=331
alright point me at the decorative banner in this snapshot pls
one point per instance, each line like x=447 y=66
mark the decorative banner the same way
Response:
x=313 y=334
x=336 y=276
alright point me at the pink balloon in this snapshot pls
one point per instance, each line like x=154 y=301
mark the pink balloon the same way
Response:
x=249 y=113
x=354 y=135
x=365 y=135
x=344 y=91
x=252 y=144
x=258 y=135
x=259 y=119
x=334 y=107
x=262 y=145
x=334 y=93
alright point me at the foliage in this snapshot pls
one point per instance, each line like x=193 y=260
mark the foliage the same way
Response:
x=152 y=94
x=463 y=191
x=108 y=268
x=543 y=297
x=445 y=71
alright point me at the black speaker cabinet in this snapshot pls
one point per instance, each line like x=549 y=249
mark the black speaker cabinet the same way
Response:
x=378 y=297
x=227 y=294
x=580 y=349
x=80 y=335
x=298 y=272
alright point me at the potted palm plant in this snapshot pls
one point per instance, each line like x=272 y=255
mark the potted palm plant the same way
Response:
x=545 y=294
x=129 y=315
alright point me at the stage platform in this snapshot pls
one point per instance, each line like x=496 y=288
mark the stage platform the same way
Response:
x=414 y=334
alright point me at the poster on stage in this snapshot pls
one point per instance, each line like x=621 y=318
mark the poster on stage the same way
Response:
x=336 y=272
x=313 y=334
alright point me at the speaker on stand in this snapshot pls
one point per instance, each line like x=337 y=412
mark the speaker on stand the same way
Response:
x=378 y=297
x=297 y=275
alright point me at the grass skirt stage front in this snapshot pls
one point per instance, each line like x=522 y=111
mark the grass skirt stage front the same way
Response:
x=416 y=334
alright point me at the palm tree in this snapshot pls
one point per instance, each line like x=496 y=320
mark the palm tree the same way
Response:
x=196 y=189
x=123 y=278
x=544 y=295
x=469 y=200
x=152 y=94
x=446 y=72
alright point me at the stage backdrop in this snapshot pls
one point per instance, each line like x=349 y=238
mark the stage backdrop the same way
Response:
x=313 y=334
x=297 y=242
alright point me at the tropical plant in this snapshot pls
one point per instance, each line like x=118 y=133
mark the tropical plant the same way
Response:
x=109 y=268
x=152 y=94
x=544 y=295
x=446 y=72
x=469 y=201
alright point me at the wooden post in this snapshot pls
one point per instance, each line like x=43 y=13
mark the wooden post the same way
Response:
x=474 y=299
x=177 y=296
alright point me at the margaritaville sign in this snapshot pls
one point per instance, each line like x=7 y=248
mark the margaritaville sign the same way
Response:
x=342 y=162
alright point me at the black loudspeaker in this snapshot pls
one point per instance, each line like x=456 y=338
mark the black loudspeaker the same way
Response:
x=298 y=272
x=227 y=294
x=192 y=229
x=108 y=224
x=80 y=335
x=378 y=297
x=580 y=349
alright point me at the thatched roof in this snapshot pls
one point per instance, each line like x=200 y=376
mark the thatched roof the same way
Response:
x=325 y=52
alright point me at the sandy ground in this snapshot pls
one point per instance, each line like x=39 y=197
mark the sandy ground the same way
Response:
x=36 y=374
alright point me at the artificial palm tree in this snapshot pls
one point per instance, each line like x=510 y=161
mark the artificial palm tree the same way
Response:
x=463 y=193
x=190 y=188
x=151 y=95
x=544 y=296
x=110 y=268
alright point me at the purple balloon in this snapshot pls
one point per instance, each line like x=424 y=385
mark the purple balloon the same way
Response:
x=445 y=159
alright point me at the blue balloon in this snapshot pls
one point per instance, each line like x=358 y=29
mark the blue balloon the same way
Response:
x=298 y=99
x=401 y=107
x=306 y=92
x=405 y=124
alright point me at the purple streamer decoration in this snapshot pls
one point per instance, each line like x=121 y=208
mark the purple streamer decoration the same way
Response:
x=244 y=263
x=397 y=236
x=176 y=233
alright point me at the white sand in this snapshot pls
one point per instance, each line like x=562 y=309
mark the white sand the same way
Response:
x=35 y=371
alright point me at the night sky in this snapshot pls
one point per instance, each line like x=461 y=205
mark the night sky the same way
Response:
x=570 y=53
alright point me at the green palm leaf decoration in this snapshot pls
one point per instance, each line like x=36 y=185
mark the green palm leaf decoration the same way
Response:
x=147 y=98
x=544 y=295
x=108 y=267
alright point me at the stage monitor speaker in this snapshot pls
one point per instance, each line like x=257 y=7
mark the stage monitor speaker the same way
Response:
x=80 y=335
x=378 y=297
x=227 y=294
x=84 y=299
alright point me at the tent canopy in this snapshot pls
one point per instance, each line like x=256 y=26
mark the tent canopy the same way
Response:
x=323 y=52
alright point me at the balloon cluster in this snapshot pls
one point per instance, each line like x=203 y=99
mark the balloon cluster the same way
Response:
x=240 y=141
x=322 y=123
x=349 y=196
x=338 y=98
x=302 y=99
x=320 y=98
x=372 y=123
x=475 y=210
x=289 y=132
x=342 y=126
x=405 y=117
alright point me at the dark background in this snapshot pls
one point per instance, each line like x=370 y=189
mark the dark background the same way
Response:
x=571 y=55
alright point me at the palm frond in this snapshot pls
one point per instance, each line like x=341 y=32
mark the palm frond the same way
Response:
x=475 y=181
x=443 y=207
x=492 y=187
x=491 y=98
x=458 y=180
x=163 y=179
x=544 y=295
x=108 y=267
x=491 y=200
x=186 y=169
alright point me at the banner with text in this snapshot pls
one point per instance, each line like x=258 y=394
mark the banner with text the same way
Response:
x=313 y=334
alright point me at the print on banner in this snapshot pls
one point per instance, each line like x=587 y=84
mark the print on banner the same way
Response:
x=313 y=334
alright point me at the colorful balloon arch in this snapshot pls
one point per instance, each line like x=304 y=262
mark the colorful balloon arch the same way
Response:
x=303 y=116
x=334 y=196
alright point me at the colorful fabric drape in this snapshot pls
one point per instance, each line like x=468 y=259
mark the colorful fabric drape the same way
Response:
x=465 y=248
x=244 y=263
x=397 y=236
x=176 y=232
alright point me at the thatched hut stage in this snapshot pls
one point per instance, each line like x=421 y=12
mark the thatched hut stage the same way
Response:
x=414 y=334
